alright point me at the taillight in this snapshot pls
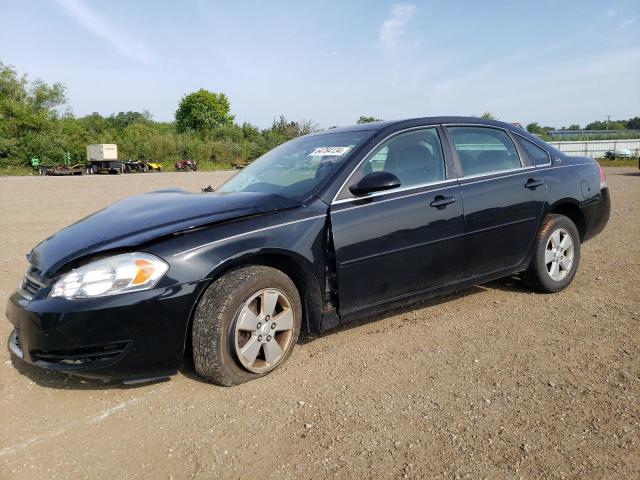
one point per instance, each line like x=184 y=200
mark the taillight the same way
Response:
x=603 y=179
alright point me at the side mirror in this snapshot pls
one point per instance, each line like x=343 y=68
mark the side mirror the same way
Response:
x=375 y=182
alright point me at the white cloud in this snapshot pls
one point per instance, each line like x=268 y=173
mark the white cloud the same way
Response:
x=100 y=27
x=611 y=13
x=626 y=24
x=392 y=30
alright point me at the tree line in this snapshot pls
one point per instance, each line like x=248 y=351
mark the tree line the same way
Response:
x=35 y=121
x=613 y=125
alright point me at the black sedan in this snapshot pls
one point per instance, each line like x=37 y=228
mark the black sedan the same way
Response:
x=323 y=229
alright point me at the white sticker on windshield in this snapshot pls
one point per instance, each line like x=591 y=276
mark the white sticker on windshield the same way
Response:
x=326 y=151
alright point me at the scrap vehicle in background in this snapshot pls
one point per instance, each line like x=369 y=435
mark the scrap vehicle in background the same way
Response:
x=186 y=165
x=66 y=168
x=152 y=167
x=618 y=153
x=101 y=158
x=133 y=166
x=63 y=170
x=140 y=166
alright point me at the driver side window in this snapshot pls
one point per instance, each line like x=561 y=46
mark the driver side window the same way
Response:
x=414 y=157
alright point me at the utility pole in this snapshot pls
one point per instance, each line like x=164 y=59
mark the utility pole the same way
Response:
x=608 y=118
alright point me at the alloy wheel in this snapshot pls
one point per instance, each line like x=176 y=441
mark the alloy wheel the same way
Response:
x=559 y=254
x=263 y=330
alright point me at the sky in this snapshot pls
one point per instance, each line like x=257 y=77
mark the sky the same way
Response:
x=551 y=61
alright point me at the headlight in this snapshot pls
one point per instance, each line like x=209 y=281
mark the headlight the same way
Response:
x=130 y=272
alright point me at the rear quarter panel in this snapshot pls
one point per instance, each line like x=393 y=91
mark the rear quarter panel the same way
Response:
x=576 y=180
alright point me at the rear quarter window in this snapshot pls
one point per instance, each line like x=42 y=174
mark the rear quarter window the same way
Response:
x=538 y=155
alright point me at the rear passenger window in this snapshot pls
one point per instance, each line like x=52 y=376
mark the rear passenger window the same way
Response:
x=538 y=155
x=484 y=150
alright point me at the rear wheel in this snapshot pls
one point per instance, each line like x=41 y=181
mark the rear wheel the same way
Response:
x=556 y=255
x=245 y=325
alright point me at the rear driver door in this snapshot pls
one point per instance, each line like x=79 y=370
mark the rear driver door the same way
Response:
x=503 y=197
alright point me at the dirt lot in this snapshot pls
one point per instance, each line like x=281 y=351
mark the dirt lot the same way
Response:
x=492 y=382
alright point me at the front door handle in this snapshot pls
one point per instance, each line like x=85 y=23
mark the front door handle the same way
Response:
x=441 y=202
x=533 y=183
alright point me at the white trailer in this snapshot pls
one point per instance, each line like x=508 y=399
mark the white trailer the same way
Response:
x=102 y=151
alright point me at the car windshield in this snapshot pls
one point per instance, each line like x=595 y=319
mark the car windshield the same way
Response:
x=295 y=168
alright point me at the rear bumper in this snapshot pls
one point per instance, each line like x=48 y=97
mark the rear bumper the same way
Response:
x=123 y=337
x=596 y=214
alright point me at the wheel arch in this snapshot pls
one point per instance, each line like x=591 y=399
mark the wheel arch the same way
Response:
x=570 y=208
x=292 y=264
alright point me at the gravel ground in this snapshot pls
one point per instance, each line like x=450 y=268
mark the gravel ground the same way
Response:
x=492 y=382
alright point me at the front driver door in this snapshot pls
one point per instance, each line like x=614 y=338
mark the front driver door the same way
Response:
x=401 y=242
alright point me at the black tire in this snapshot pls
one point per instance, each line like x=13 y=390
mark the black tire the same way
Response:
x=212 y=339
x=537 y=276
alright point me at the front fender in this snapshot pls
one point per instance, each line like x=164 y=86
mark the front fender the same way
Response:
x=298 y=238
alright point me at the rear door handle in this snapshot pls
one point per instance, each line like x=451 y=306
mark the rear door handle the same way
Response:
x=533 y=183
x=441 y=202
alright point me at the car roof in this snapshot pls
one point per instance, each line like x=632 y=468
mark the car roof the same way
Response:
x=410 y=122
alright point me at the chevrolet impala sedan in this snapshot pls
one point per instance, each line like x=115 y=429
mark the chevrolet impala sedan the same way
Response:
x=323 y=229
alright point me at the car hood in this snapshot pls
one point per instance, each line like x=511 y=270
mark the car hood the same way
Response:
x=142 y=218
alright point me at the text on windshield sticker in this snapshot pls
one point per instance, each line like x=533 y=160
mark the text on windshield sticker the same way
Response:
x=326 y=151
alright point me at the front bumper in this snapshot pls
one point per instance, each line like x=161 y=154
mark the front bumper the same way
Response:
x=134 y=335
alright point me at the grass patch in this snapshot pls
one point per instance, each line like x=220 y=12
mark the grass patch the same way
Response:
x=618 y=162
x=16 y=170
x=208 y=166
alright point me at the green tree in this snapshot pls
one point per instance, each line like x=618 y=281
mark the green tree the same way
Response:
x=633 y=123
x=47 y=98
x=249 y=131
x=365 y=119
x=123 y=119
x=290 y=129
x=536 y=129
x=487 y=116
x=29 y=113
x=203 y=111
x=606 y=125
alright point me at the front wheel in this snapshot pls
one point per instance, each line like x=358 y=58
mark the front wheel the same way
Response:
x=556 y=255
x=245 y=325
